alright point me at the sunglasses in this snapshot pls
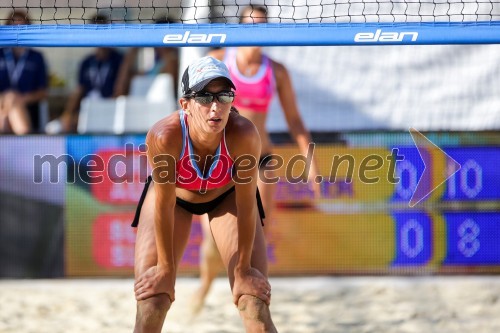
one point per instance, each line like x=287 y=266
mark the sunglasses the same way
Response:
x=223 y=97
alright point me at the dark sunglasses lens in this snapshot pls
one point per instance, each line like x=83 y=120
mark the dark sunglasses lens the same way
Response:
x=207 y=98
x=225 y=98
x=204 y=99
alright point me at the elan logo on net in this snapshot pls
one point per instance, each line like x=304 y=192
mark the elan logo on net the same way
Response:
x=189 y=38
x=379 y=36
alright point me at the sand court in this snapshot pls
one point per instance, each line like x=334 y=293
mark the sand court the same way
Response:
x=300 y=305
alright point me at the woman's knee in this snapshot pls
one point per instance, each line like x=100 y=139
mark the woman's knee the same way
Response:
x=252 y=307
x=153 y=310
x=12 y=98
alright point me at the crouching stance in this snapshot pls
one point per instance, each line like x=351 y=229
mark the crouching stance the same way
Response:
x=204 y=160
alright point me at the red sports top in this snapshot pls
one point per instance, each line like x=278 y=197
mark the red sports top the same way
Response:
x=189 y=176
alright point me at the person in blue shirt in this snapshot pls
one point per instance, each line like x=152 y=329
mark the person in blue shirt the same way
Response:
x=23 y=84
x=97 y=76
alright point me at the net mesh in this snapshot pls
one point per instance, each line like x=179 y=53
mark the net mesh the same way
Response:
x=437 y=88
x=279 y=11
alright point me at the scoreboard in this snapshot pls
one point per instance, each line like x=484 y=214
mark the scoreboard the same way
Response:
x=363 y=222
x=451 y=239
x=479 y=176
x=455 y=228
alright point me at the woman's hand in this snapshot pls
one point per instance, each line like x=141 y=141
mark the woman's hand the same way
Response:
x=314 y=184
x=155 y=281
x=251 y=282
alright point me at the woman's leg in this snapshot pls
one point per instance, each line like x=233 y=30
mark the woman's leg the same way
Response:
x=223 y=223
x=210 y=265
x=267 y=193
x=13 y=110
x=152 y=311
x=210 y=262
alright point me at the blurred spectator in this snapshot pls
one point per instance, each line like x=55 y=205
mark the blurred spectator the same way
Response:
x=14 y=118
x=166 y=61
x=97 y=76
x=23 y=84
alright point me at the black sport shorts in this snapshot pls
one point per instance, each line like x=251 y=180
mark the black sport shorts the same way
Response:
x=195 y=208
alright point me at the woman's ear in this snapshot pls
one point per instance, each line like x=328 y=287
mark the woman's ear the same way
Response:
x=184 y=103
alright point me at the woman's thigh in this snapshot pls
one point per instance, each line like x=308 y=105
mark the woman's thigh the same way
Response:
x=145 y=246
x=224 y=226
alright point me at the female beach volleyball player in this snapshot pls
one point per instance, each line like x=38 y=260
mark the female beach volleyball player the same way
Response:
x=257 y=78
x=204 y=161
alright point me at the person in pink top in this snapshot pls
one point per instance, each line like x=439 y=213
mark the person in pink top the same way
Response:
x=204 y=161
x=257 y=79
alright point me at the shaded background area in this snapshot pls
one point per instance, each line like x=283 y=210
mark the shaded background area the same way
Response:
x=31 y=238
x=31 y=209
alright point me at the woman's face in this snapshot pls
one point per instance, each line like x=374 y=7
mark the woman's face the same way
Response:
x=210 y=117
x=254 y=16
x=18 y=19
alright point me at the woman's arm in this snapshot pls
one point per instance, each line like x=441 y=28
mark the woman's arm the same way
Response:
x=69 y=117
x=35 y=96
x=158 y=157
x=246 y=175
x=161 y=278
x=299 y=132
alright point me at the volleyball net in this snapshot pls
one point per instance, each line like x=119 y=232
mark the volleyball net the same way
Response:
x=290 y=23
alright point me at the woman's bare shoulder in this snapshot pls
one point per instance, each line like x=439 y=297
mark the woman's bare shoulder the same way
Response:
x=239 y=123
x=278 y=68
x=166 y=135
x=241 y=130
